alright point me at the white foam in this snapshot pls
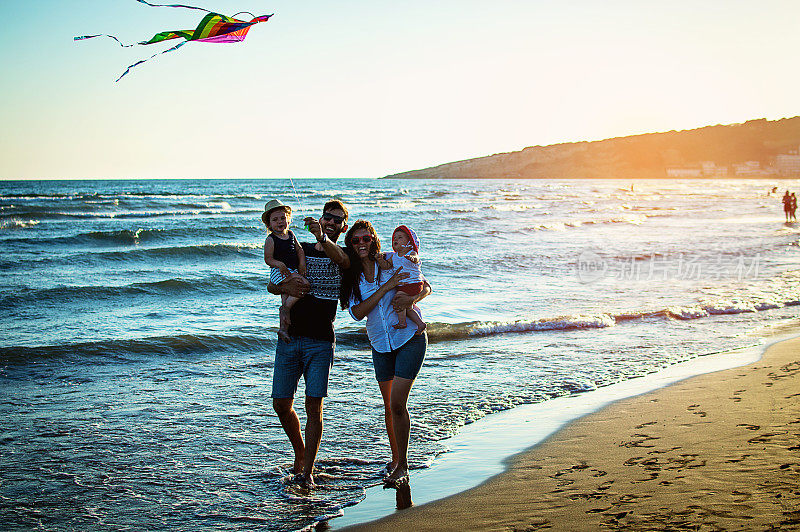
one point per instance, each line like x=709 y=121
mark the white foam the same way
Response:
x=549 y=324
x=687 y=313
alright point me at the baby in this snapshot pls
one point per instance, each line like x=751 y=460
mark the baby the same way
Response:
x=284 y=255
x=405 y=256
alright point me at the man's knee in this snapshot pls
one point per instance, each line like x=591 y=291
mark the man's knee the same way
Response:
x=397 y=407
x=282 y=406
x=314 y=407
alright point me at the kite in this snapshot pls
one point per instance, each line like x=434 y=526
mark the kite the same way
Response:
x=214 y=28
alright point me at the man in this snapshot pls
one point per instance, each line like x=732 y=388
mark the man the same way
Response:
x=310 y=350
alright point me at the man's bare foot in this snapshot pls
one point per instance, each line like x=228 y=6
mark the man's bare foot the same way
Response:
x=307 y=482
x=421 y=328
x=298 y=465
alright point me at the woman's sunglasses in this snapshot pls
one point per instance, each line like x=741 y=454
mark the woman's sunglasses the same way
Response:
x=336 y=219
x=357 y=240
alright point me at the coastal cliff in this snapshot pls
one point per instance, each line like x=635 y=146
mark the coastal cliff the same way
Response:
x=756 y=148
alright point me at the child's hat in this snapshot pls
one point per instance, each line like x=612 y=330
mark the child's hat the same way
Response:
x=412 y=236
x=275 y=204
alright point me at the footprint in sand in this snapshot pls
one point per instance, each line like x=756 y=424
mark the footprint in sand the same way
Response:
x=748 y=426
x=693 y=410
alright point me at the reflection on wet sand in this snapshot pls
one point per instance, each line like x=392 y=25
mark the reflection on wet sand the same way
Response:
x=403 y=496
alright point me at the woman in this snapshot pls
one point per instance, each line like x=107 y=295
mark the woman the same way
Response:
x=397 y=354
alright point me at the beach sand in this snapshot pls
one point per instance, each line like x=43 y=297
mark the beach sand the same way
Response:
x=719 y=451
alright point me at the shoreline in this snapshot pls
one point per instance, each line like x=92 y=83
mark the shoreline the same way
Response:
x=567 y=471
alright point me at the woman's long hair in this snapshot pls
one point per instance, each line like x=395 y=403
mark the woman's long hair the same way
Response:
x=350 y=284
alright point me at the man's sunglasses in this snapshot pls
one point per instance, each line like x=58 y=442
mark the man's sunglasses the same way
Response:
x=336 y=219
x=357 y=240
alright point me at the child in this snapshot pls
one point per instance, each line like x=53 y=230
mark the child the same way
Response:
x=284 y=255
x=406 y=257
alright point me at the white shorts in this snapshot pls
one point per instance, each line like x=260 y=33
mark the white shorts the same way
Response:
x=276 y=277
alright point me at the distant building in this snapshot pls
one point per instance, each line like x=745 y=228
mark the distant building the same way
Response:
x=684 y=171
x=710 y=169
x=749 y=169
x=787 y=164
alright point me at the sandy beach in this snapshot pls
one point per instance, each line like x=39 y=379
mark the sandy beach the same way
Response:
x=719 y=451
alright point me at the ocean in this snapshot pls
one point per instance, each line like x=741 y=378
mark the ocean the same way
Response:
x=138 y=335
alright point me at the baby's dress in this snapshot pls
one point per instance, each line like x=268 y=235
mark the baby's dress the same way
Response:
x=412 y=268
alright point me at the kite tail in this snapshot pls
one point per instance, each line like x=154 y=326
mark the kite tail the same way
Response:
x=149 y=58
x=83 y=37
x=173 y=5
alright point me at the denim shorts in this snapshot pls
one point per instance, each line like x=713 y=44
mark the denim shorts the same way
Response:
x=405 y=361
x=304 y=356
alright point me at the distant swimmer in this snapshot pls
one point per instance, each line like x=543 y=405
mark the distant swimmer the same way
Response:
x=793 y=207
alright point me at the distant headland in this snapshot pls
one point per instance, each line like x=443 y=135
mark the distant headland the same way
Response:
x=755 y=149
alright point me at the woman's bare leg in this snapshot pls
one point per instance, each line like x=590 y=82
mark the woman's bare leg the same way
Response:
x=398 y=402
x=386 y=392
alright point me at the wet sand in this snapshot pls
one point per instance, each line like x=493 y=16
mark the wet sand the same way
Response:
x=719 y=451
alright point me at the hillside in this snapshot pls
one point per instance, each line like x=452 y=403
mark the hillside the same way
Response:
x=750 y=149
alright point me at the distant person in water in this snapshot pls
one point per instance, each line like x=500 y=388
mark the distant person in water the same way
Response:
x=284 y=255
x=369 y=291
x=405 y=256
x=793 y=207
x=787 y=205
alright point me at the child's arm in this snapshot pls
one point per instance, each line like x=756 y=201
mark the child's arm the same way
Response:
x=269 y=249
x=384 y=260
x=301 y=257
x=412 y=256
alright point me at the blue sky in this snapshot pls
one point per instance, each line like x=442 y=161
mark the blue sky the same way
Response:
x=369 y=88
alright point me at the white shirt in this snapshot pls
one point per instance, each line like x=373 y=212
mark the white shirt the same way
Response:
x=383 y=337
x=412 y=268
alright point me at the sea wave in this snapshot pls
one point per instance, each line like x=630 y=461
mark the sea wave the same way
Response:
x=216 y=251
x=13 y=223
x=167 y=287
x=123 y=237
x=438 y=332
x=50 y=214
x=561 y=225
x=265 y=339
x=134 y=349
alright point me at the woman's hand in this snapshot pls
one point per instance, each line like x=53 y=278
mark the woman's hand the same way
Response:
x=402 y=301
x=383 y=262
x=395 y=279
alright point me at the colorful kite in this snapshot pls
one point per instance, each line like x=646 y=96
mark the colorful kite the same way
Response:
x=213 y=28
